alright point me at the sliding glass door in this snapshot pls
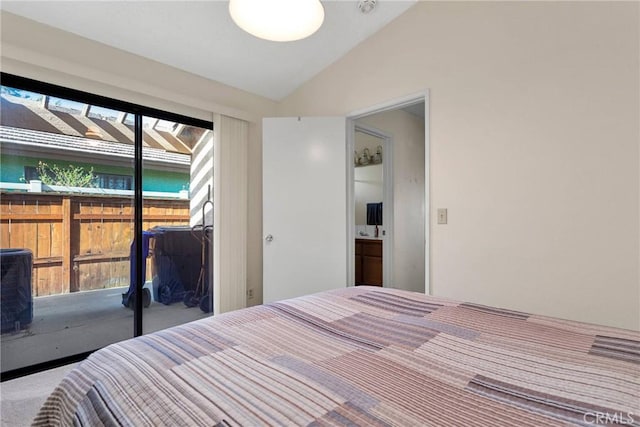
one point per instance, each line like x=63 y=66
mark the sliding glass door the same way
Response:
x=99 y=205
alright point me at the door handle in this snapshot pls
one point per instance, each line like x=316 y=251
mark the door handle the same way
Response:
x=269 y=238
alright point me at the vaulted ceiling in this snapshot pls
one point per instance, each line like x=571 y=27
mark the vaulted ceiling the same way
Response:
x=200 y=37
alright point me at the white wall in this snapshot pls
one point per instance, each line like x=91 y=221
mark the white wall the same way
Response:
x=534 y=146
x=201 y=185
x=407 y=132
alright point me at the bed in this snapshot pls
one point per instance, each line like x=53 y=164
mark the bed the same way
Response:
x=359 y=356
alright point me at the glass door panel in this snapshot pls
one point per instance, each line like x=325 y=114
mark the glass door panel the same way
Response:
x=177 y=219
x=66 y=227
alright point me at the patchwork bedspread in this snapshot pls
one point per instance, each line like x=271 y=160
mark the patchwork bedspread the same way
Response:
x=359 y=356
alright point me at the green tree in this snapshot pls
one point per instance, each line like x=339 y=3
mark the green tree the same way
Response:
x=71 y=176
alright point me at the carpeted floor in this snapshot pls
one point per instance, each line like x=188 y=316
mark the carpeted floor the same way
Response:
x=20 y=399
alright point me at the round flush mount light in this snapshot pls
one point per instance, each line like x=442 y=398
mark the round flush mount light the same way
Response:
x=278 y=20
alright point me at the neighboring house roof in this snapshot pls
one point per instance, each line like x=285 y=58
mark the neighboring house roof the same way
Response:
x=45 y=142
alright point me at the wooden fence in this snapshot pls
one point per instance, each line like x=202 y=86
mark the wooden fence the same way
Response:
x=79 y=242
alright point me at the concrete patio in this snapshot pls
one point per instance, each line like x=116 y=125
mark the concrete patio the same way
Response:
x=74 y=323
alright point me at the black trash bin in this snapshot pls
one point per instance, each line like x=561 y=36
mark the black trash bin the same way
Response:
x=15 y=288
x=177 y=254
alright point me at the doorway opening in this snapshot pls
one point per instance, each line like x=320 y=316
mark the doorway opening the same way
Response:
x=400 y=128
x=373 y=191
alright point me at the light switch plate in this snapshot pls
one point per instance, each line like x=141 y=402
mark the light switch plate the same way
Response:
x=442 y=216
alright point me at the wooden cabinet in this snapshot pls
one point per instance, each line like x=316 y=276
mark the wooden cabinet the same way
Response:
x=368 y=262
x=358 y=262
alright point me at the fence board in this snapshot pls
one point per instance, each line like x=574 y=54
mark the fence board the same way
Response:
x=31 y=235
x=43 y=244
x=20 y=216
x=56 y=239
x=4 y=234
x=44 y=280
x=44 y=232
x=17 y=236
x=85 y=238
x=91 y=233
x=107 y=228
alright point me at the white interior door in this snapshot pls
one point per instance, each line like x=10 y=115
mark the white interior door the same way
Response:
x=304 y=206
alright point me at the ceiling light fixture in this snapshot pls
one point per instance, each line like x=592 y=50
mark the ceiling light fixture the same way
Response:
x=366 y=6
x=278 y=20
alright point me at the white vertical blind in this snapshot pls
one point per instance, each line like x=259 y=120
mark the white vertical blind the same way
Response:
x=231 y=138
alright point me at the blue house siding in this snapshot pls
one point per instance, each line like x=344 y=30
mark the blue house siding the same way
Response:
x=12 y=170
